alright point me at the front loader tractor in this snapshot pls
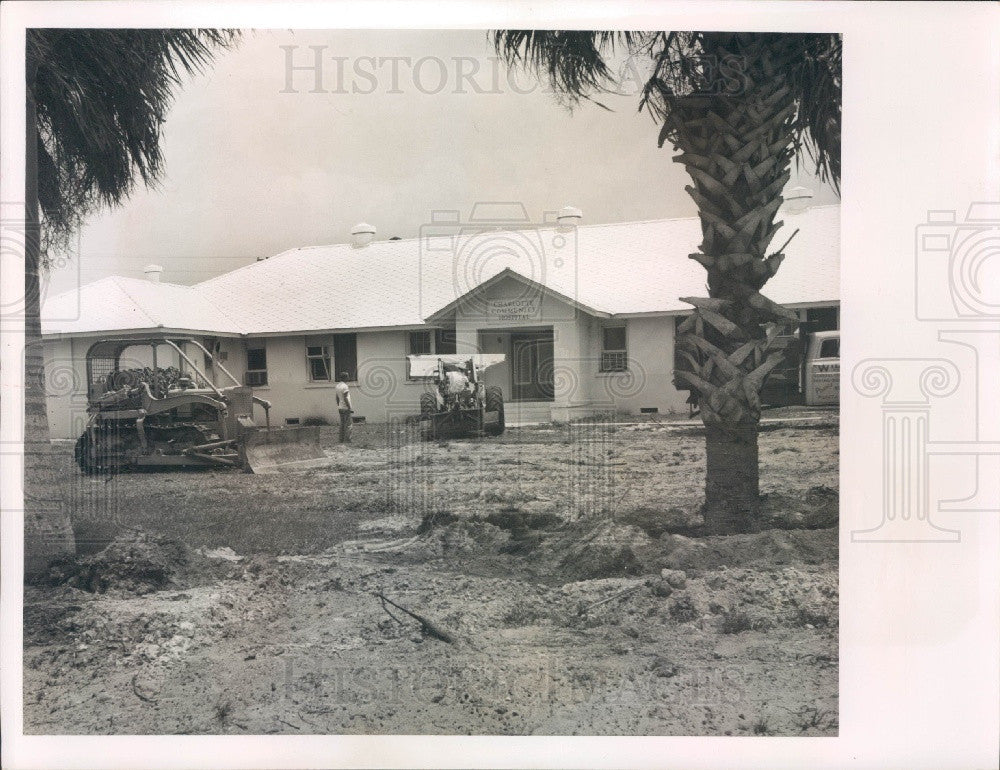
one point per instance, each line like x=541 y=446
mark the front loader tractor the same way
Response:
x=460 y=403
x=152 y=416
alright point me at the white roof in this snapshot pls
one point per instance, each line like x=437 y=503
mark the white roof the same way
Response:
x=117 y=304
x=614 y=269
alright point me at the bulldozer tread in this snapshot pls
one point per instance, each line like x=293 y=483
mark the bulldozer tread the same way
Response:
x=428 y=405
x=100 y=457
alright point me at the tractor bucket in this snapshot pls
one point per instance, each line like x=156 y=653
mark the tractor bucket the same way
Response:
x=278 y=449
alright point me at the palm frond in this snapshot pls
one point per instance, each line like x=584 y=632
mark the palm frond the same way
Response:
x=693 y=64
x=101 y=97
x=576 y=63
x=816 y=80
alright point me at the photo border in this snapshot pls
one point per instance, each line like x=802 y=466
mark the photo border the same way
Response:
x=919 y=628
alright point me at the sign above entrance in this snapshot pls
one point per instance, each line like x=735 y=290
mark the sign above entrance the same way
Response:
x=513 y=309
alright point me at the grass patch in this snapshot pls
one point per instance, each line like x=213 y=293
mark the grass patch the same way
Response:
x=683 y=610
x=812 y=718
x=223 y=711
x=807 y=617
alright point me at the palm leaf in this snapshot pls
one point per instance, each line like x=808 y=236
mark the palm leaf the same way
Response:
x=101 y=97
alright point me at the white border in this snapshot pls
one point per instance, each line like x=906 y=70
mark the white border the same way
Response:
x=919 y=679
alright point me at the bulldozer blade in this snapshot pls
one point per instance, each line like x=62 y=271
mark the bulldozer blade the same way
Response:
x=277 y=449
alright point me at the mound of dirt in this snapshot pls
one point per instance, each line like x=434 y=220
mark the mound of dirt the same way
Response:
x=606 y=550
x=727 y=601
x=518 y=521
x=458 y=537
x=772 y=547
x=742 y=600
x=656 y=522
x=134 y=563
x=819 y=508
x=435 y=519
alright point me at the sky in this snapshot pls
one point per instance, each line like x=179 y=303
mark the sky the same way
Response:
x=260 y=158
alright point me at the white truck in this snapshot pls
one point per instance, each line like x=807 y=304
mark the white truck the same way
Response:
x=822 y=369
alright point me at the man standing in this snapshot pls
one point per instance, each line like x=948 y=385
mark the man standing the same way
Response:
x=344 y=407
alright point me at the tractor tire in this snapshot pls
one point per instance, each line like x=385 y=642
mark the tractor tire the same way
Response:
x=494 y=403
x=428 y=408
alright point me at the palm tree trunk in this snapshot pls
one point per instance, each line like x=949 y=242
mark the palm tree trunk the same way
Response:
x=737 y=145
x=48 y=532
x=731 y=477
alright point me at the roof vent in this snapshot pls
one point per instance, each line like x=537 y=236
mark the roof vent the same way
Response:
x=152 y=273
x=362 y=234
x=798 y=199
x=569 y=216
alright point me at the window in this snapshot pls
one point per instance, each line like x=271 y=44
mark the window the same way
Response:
x=445 y=341
x=822 y=319
x=830 y=348
x=318 y=358
x=256 y=367
x=345 y=355
x=437 y=342
x=419 y=343
x=614 y=355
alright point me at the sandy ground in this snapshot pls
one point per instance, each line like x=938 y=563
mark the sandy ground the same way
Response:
x=561 y=562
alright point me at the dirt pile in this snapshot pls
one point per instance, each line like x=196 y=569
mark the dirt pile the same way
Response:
x=607 y=550
x=818 y=508
x=657 y=522
x=459 y=537
x=593 y=549
x=772 y=547
x=585 y=550
x=727 y=601
x=136 y=563
x=737 y=600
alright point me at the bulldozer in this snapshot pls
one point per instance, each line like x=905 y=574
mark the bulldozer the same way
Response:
x=460 y=404
x=175 y=416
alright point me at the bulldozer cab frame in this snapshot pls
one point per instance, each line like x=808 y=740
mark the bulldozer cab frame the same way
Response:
x=104 y=359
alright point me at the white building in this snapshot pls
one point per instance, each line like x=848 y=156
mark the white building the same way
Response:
x=586 y=314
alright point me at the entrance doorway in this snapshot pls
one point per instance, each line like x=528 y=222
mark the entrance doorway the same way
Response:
x=532 y=366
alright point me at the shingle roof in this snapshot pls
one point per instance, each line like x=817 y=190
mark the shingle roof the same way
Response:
x=618 y=269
